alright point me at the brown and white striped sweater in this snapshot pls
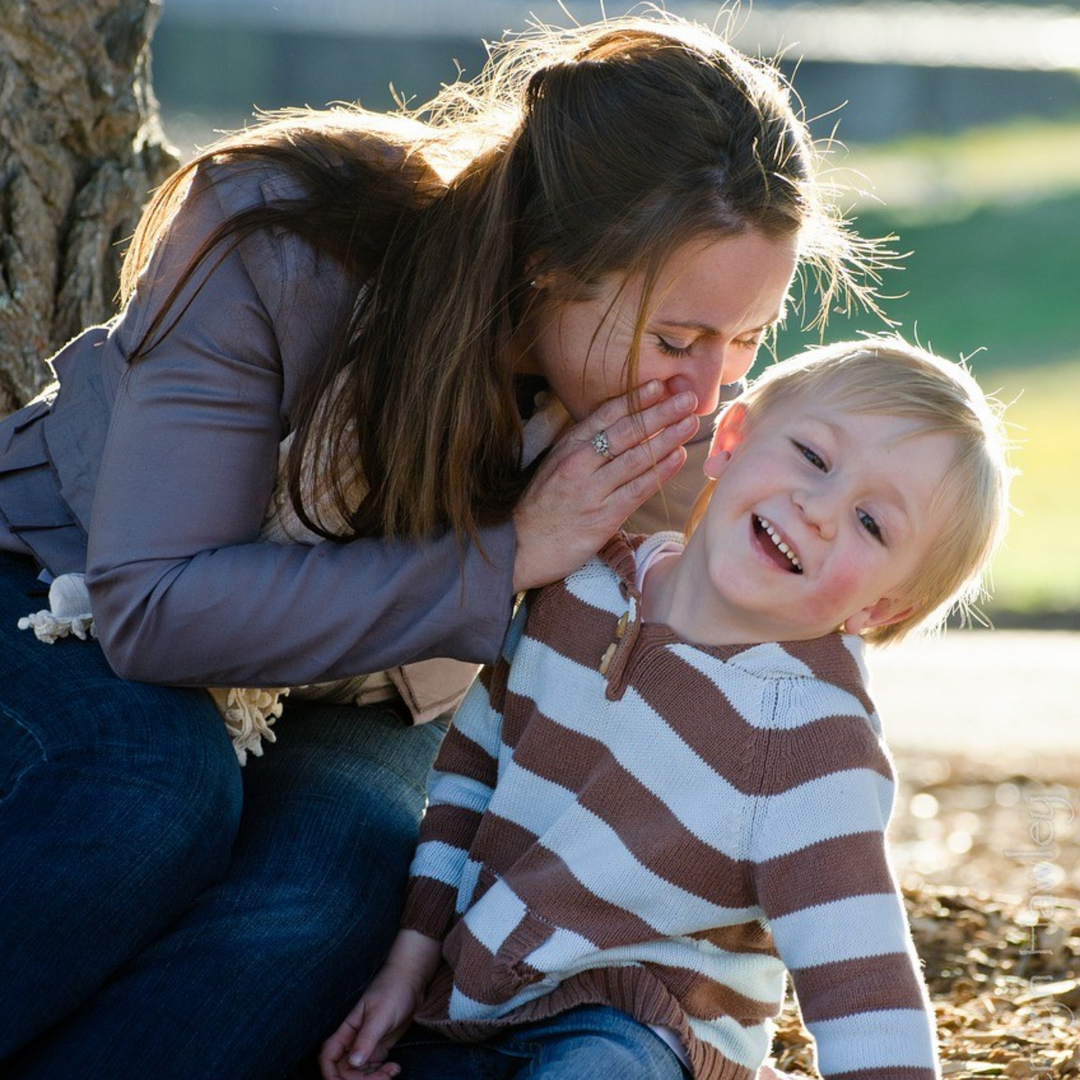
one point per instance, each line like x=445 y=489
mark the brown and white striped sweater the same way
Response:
x=620 y=816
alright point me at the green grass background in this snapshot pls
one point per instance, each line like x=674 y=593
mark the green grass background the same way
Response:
x=991 y=224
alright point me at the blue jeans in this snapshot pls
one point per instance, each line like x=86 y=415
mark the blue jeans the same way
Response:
x=162 y=912
x=591 y=1042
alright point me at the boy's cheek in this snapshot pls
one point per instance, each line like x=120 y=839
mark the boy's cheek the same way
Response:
x=840 y=594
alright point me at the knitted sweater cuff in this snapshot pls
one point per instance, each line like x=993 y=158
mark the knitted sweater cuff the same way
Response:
x=429 y=907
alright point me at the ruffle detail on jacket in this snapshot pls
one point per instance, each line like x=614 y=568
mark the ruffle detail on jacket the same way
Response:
x=248 y=712
x=68 y=613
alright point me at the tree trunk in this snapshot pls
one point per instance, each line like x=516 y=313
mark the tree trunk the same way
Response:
x=80 y=148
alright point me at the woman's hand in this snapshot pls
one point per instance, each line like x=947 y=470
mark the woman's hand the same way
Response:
x=579 y=497
x=360 y=1045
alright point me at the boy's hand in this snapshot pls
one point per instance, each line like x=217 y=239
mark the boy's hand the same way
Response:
x=359 y=1046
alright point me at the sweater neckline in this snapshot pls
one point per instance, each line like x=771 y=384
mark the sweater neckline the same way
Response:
x=624 y=553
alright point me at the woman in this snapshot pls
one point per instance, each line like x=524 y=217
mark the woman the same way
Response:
x=298 y=455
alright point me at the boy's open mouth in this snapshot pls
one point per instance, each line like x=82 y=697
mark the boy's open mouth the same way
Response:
x=780 y=553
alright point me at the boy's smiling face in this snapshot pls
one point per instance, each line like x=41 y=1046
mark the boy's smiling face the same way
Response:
x=819 y=517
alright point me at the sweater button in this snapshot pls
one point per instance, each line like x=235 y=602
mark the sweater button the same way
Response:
x=605 y=661
x=624 y=620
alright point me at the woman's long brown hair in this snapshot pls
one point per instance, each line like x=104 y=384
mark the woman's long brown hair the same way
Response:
x=575 y=155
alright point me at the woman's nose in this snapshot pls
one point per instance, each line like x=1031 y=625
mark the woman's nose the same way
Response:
x=708 y=398
x=706 y=375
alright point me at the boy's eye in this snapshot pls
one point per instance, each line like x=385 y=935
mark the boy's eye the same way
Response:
x=870 y=525
x=814 y=458
x=669 y=349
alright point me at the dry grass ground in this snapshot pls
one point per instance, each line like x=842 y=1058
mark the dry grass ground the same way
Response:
x=1005 y=990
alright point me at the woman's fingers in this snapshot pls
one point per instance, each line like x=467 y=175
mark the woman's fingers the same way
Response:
x=633 y=485
x=636 y=422
x=643 y=401
x=579 y=496
x=643 y=455
x=638 y=453
x=626 y=422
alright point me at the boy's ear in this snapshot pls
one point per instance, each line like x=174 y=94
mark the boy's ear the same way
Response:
x=884 y=613
x=728 y=435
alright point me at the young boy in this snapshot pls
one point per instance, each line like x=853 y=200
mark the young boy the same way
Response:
x=673 y=786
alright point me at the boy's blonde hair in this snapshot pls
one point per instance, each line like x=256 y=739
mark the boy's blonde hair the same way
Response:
x=885 y=374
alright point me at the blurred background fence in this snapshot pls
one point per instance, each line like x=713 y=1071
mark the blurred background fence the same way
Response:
x=959 y=127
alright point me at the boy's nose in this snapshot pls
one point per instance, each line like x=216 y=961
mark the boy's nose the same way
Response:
x=817 y=510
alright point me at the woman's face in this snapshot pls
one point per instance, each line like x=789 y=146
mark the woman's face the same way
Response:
x=712 y=304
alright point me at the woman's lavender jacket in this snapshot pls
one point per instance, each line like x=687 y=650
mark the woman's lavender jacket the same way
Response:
x=154 y=477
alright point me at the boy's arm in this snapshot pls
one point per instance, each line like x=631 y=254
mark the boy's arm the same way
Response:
x=460 y=787
x=461 y=784
x=823 y=878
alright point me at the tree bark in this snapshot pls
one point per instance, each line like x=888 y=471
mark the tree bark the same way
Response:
x=80 y=149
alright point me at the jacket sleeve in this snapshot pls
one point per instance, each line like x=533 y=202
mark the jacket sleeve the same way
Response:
x=460 y=787
x=823 y=878
x=183 y=591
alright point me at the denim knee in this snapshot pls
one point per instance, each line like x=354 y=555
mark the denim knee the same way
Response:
x=350 y=819
x=20 y=751
x=140 y=772
x=330 y=823
x=114 y=816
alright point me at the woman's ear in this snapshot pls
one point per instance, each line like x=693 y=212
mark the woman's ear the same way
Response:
x=535 y=275
x=728 y=435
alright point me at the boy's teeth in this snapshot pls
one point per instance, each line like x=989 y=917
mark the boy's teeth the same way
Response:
x=783 y=548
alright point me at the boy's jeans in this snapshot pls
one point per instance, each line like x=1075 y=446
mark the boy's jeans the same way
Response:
x=164 y=913
x=591 y=1042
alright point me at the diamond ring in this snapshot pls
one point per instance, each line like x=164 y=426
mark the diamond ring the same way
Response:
x=601 y=444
